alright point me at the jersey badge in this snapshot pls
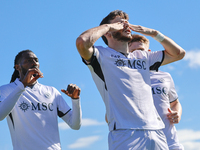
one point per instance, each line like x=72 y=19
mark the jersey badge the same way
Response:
x=162 y=80
x=47 y=95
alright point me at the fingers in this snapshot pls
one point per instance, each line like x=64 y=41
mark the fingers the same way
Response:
x=72 y=91
x=37 y=72
x=173 y=117
x=173 y=120
x=143 y=30
x=31 y=76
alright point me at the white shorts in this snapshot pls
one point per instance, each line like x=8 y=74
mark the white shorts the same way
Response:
x=172 y=140
x=137 y=140
x=174 y=144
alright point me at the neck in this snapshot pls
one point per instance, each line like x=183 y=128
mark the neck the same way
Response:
x=120 y=46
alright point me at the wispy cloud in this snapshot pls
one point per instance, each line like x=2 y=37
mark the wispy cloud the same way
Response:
x=84 y=142
x=190 y=139
x=85 y=122
x=193 y=57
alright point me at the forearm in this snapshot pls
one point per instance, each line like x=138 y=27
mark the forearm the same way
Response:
x=176 y=109
x=73 y=118
x=87 y=39
x=173 y=51
x=176 y=106
x=9 y=102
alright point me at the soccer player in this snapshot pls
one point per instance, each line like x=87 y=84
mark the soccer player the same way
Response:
x=164 y=95
x=132 y=118
x=32 y=108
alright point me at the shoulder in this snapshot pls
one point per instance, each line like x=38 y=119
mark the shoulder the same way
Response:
x=47 y=88
x=139 y=54
x=165 y=74
x=160 y=75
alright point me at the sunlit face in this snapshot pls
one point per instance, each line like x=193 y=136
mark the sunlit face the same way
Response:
x=137 y=46
x=123 y=35
x=29 y=60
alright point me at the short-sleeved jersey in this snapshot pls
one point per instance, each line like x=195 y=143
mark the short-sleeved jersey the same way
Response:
x=164 y=92
x=124 y=84
x=33 y=121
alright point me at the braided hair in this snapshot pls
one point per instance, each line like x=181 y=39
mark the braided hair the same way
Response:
x=18 y=58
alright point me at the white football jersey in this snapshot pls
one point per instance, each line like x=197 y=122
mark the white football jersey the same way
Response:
x=33 y=121
x=124 y=84
x=164 y=92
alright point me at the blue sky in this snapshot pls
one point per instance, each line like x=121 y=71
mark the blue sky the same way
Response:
x=50 y=28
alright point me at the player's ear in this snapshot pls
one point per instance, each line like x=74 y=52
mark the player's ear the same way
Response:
x=17 y=67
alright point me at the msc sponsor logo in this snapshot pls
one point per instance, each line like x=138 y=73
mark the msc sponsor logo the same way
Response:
x=159 y=90
x=134 y=64
x=37 y=106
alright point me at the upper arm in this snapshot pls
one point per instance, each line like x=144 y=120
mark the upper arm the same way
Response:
x=168 y=58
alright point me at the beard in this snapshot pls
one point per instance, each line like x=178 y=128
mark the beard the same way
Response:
x=119 y=37
x=24 y=71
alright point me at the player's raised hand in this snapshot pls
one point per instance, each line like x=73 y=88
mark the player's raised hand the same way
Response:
x=31 y=76
x=116 y=26
x=72 y=91
x=144 y=30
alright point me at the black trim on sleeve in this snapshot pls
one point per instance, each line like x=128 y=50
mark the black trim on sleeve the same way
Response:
x=163 y=56
x=11 y=118
x=61 y=114
x=96 y=66
x=174 y=100
x=114 y=128
x=157 y=64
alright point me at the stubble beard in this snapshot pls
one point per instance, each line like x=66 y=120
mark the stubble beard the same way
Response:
x=119 y=37
x=24 y=71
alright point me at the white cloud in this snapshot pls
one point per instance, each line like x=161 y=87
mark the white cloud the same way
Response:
x=193 y=57
x=85 y=122
x=63 y=126
x=191 y=145
x=170 y=67
x=190 y=139
x=84 y=142
x=91 y=122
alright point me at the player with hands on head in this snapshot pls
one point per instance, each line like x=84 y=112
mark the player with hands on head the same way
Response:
x=164 y=95
x=32 y=108
x=131 y=113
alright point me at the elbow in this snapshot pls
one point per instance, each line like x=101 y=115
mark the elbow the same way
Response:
x=2 y=114
x=80 y=43
x=76 y=127
x=2 y=118
x=181 y=54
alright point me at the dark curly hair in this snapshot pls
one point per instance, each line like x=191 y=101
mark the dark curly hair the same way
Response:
x=112 y=16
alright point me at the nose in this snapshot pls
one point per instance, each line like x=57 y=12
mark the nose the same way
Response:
x=126 y=23
x=34 y=63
